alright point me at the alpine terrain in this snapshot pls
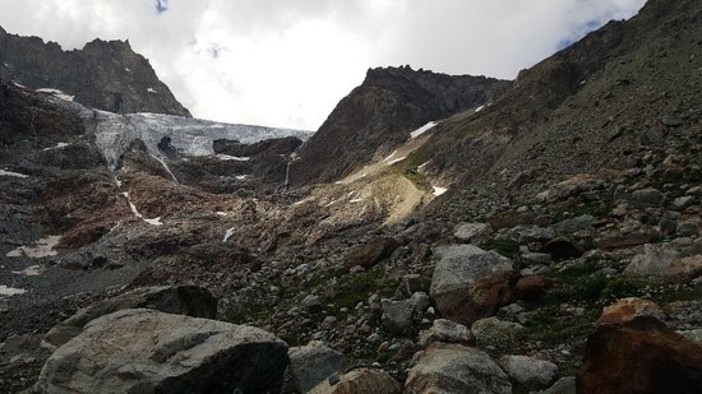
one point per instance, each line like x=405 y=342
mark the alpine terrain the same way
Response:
x=437 y=234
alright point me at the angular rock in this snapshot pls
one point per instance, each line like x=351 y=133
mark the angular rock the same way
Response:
x=492 y=329
x=446 y=331
x=689 y=228
x=627 y=309
x=313 y=363
x=564 y=385
x=369 y=254
x=470 y=283
x=399 y=315
x=563 y=248
x=526 y=234
x=451 y=368
x=141 y=350
x=531 y=286
x=185 y=300
x=472 y=233
x=311 y=304
x=529 y=370
x=362 y=380
x=641 y=356
x=663 y=262
x=648 y=197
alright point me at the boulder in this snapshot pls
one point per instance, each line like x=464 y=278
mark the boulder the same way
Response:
x=451 y=368
x=563 y=248
x=185 y=300
x=525 y=234
x=446 y=331
x=529 y=370
x=627 y=309
x=494 y=330
x=663 y=262
x=648 y=197
x=470 y=283
x=640 y=356
x=369 y=254
x=472 y=233
x=399 y=315
x=362 y=380
x=142 y=350
x=531 y=286
x=313 y=363
x=565 y=385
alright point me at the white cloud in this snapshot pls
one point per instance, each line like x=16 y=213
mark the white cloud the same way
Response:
x=288 y=63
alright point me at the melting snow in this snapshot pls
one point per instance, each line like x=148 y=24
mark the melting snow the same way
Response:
x=391 y=155
x=19 y=85
x=439 y=190
x=127 y=70
x=395 y=161
x=228 y=234
x=44 y=247
x=60 y=145
x=15 y=174
x=151 y=90
x=479 y=108
x=240 y=177
x=355 y=200
x=56 y=93
x=422 y=130
x=32 y=270
x=153 y=222
x=228 y=158
x=420 y=168
x=165 y=166
x=10 y=291
x=220 y=213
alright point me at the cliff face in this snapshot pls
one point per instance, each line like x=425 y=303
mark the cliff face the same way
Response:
x=107 y=75
x=378 y=116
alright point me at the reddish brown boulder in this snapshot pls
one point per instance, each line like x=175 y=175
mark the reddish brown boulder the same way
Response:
x=369 y=254
x=640 y=356
x=531 y=286
x=627 y=309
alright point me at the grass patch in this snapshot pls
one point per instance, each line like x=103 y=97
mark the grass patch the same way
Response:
x=357 y=288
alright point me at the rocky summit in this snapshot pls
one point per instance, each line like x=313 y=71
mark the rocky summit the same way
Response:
x=448 y=234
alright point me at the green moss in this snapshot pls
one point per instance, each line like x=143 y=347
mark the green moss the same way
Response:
x=355 y=288
x=504 y=247
x=417 y=178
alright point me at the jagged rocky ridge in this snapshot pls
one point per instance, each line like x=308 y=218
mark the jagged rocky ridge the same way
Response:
x=107 y=75
x=502 y=284
x=378 y=116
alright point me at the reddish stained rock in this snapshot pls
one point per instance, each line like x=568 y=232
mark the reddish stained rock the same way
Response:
x=531 y=286
x=625 y=240
x=369 y=254
x=640 y=356
x=627 y=309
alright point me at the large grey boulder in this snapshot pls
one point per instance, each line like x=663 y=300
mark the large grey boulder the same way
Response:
x=472 y=233
x=399 y=316
x=663 y=262
x=529 y=370
x=145 y=351
x=443 y=330
x=451 y=368
x=313 y=363
x=362 y=380
x=184 y=300
x=470 y=283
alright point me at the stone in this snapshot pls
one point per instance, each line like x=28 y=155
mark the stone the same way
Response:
x=446 y=331
x=313 y=363
x=369 y=254
x=531 y=286
x=470 y=283
x=452 y=368
x=472 y=233
x=311 y=304
x=362 y=380
x=664 y=262
x=563 y=248
x=492 y=329
x=529 y=370
x=146 y=351
x=537 y=258
x=564 y=385
x=400 y=315
x=627 y=309
x=413 y=283
x=689 y=228
x=526 y=234
x=186 y=300
x=640 y=356
x=649 y=197
x=683 y=202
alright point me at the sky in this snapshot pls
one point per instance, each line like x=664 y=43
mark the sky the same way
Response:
x=287 y=63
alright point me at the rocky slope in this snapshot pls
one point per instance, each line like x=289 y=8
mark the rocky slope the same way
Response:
x=379 y=115
x=568 y=258
x=106 y=75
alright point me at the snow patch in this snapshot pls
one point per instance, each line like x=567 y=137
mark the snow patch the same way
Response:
x=479 y=108
x=439 y=190
x=135 y=211
x=422 y=130
x=228 y=234
x=127 y=69
x=14 y=174
x=220 y=213
x=391 y=155
x=60 y=145
x=32 y=270
x=43 y=247
x=241 y=177
x=56 y=93
x=229 y=158
x=421 y=167
x=165 y=167
x=19 y=85
x=151 y=90
x=356 y=200
x=395 y=161
x=10 y=291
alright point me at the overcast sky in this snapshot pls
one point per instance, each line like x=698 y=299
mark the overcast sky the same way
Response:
x=287 y=63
